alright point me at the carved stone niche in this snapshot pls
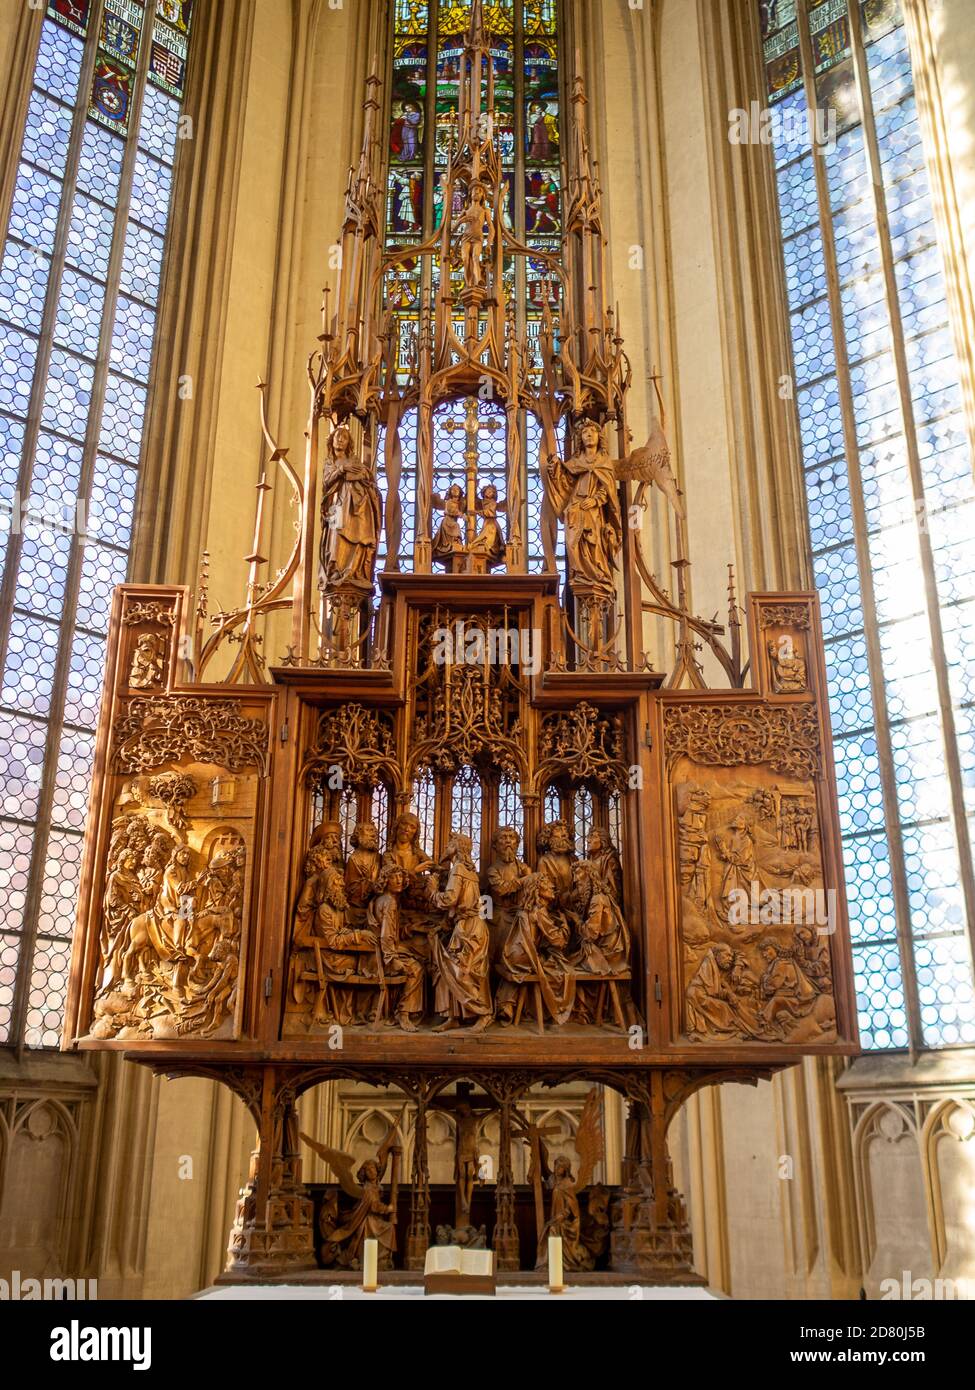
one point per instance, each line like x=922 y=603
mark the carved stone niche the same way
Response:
x=172 y=910
x=756 y=922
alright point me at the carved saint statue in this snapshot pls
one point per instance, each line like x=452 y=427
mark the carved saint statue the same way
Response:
x=788 y=667
x=585 y=494
x=351 y=516
x=461 y=966
x=586 y=497
x=371 y=1218
x=476 y=235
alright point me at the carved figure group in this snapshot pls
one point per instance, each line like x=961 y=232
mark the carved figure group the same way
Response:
x=400 y=939
x=170 y=934
x=758 y=962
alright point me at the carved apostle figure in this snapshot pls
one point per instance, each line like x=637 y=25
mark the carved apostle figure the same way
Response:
x=718 y=997
x=406 y=851
x=403 y=953
x=603 y=934
x=328 y=837
x=536 y=948
x=585 y=495
x=604 y=856
x=785 y=988
x=362 y=870
x=322 y=935
x=556 y=857
x=351 y=516
x=505 y=877
x=461 y=965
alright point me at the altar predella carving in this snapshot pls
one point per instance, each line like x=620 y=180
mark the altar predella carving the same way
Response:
x=458 y=839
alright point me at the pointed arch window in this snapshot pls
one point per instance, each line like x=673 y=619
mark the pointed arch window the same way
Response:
x=79 y=295
x=888 y=477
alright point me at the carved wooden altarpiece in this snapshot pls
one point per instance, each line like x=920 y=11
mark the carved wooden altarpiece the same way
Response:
x=460 y=841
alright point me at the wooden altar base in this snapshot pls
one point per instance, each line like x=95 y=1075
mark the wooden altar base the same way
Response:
x=401 y=1278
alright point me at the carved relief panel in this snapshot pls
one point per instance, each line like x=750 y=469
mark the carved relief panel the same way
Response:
x=759 y=912
x=173 y=833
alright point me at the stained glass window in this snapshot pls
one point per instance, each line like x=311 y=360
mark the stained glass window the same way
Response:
x=79 y=287
x=427 y=47
x=890 y=502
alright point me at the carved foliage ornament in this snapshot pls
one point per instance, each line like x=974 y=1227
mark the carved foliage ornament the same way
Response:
x=358 y=740
x=584 y=745
x=149 y=612
x=785 y=738
x=158 y=729
x=784 y=615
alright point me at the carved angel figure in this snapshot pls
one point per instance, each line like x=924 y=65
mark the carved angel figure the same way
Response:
x=565 y=1218
x=449 y=540
x=489 y=540
x=371 y=1218
x=585 y=494
x=651 y=464
x=351 y=516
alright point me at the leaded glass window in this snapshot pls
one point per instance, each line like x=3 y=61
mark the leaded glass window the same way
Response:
x=510 y=809
x=79 y=291
x=466 y=795
x=887 y=460
x=425 y=809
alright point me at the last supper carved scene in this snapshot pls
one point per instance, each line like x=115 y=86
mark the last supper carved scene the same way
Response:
x=421 y=819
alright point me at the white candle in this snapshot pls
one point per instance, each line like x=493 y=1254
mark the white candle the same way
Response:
x=370 y=1265
x=555 y=1284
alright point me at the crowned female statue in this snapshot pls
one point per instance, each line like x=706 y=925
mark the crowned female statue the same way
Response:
x=351 y=516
